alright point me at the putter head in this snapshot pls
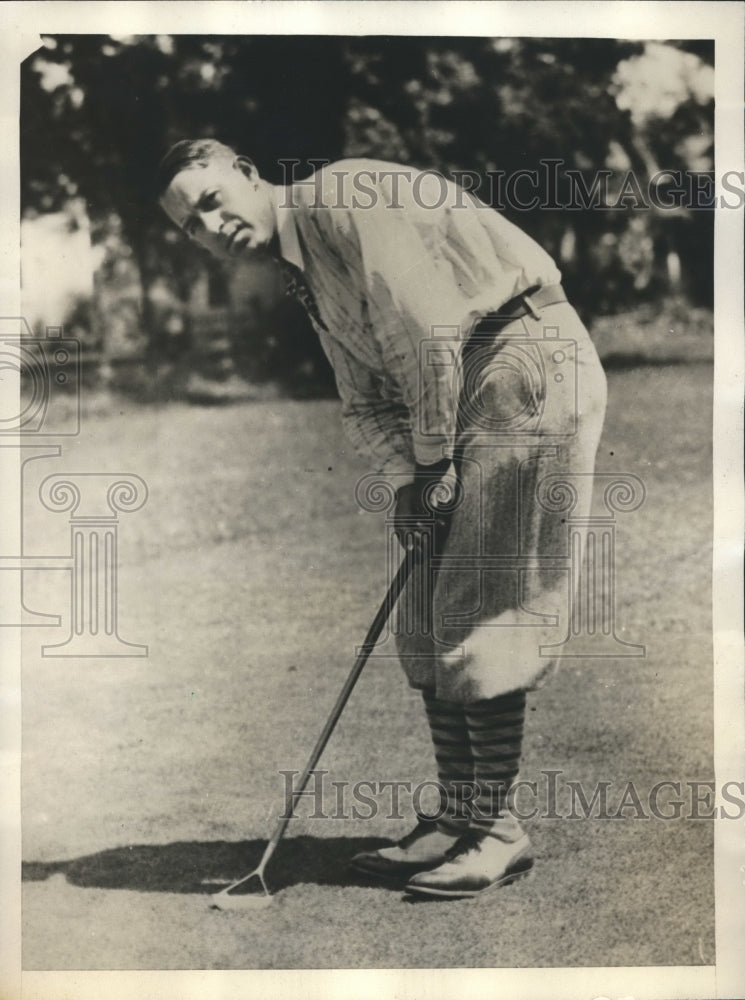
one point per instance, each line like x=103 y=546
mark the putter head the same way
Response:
x=250 y=893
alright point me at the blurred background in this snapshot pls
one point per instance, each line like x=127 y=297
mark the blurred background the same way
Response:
x=158 y=319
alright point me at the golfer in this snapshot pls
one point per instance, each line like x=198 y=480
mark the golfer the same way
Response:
x=469 y=382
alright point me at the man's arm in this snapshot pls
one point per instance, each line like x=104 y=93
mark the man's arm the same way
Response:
x=378 y=427
x=380 y=431
x=414 y=304
x=412 y=294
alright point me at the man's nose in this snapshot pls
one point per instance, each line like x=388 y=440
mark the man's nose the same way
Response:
x=212 y=221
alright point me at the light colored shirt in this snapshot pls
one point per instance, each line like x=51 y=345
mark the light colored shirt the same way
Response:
x=400 y=260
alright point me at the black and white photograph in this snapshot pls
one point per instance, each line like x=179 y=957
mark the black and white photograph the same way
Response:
x=371 y=442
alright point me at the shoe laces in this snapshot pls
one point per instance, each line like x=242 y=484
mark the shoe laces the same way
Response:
x=469 y=841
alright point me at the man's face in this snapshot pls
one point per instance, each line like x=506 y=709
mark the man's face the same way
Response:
x=223 y=206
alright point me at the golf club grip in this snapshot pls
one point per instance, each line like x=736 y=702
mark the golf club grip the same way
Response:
x=384 y=612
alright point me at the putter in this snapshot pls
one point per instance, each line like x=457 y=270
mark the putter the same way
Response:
x=252 y=892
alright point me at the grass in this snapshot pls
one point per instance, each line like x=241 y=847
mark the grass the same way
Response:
x=252 y=577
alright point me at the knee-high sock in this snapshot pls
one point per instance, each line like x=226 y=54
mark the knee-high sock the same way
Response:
x=447 y=723
x=495 y=730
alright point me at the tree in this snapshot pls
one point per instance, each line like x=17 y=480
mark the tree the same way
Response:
x=98 y=112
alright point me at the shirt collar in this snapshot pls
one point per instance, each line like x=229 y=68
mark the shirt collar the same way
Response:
x=289 y=244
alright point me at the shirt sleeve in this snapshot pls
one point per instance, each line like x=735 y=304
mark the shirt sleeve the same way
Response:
x=377 y=426
x=414 y=308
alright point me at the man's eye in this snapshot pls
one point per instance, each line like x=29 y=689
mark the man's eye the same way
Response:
x=210 y=200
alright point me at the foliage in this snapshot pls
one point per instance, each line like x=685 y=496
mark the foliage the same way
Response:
x=98 y=112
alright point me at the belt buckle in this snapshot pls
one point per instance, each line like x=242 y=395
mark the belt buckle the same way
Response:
x=527 y=299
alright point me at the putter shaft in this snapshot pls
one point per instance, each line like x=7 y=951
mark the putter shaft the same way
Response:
x=384 y=612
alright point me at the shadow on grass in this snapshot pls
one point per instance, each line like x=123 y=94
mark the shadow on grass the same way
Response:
x=205 y=866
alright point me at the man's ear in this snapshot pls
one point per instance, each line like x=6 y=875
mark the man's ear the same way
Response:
x=247 y=167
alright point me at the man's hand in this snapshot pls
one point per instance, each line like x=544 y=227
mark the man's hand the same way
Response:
x=417 y=504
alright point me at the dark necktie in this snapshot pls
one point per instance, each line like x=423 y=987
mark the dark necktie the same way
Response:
x=298 y=288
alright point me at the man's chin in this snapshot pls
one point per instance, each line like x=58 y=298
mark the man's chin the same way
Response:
x=250 y=250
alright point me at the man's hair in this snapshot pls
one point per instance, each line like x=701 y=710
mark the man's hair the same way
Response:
x=188 y=153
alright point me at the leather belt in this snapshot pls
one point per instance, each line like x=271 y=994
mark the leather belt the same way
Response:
x=527 y=303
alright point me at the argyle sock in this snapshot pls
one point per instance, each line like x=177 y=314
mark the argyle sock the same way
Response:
x=495 y=730
x=447 y=723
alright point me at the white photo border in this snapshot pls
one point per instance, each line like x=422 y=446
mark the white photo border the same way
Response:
x=22 y=25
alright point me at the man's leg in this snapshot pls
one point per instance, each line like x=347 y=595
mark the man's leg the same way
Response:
x=497 y=614
x=427 y=845
x=495 y=850
x=455 y=762
x=495 y=729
